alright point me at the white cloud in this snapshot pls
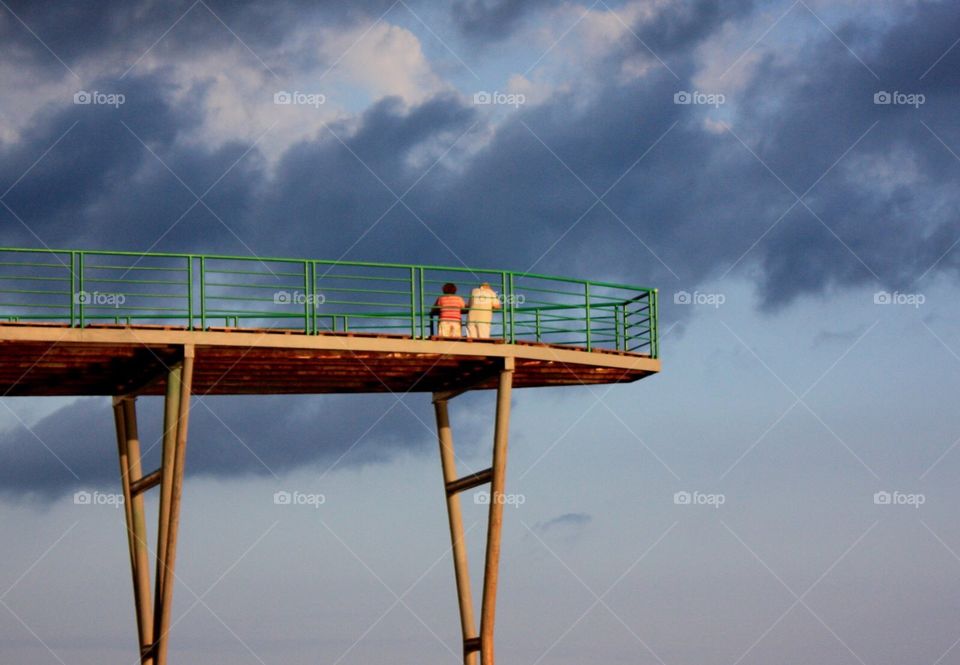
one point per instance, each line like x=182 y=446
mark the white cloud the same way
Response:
x=385 y=60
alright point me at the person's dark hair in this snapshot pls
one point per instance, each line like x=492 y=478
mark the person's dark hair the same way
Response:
x=449 y=287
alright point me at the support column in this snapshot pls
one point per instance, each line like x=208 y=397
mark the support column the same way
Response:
x=496 y=476
x=491 y=571
x=172 y=484
x=153 y=618
x=128 y=441
x=461 y=566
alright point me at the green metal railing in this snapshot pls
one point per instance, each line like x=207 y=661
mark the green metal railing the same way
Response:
x=199 y=292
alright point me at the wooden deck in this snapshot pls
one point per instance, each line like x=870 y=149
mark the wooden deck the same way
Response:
x=54 y=359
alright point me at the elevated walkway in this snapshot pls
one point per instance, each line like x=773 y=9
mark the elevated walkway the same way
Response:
x=125 y=325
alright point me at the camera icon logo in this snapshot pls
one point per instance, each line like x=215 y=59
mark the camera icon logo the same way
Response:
x=882 y=298
x=882 y=97
x=282 y=298
x=82 y=97
x=682 y=298
x=482 y=97
x=282 y=97
x=882 y=498
x=82 y=498
x=82 y=298
x=682 y=498
x=282 y=498
x=682 y=97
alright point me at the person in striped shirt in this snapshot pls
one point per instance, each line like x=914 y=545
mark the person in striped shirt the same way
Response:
x=449 y=307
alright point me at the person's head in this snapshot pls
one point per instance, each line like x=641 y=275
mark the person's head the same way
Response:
x=449 y=288
x=484 y=285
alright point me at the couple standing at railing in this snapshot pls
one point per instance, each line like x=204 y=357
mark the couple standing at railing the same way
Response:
x=449 y=309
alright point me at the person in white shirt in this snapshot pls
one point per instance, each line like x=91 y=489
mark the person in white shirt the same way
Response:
x=483 y=300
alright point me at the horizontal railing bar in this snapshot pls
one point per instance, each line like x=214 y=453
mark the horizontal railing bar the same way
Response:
x=275 y=287
x=32 y=264
x=32 y=278
x=367 y=304
x=348 y=290
x=35 y=292
x=210 y=271
x=132 y=268
x=121 y=280
x=254 y=314
x=134 y=294
x=41 y=305
x=124 y=308
x=334 y=276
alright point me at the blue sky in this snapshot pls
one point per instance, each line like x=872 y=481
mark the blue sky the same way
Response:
x=813 y=173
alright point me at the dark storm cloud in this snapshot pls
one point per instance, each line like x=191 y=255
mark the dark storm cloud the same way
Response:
x=492 y=20
x=119 y=32
x=337 y=191
x=680 y=26
x=92 y=158
x=895 y=230
x=75 y=447
x=122 y=176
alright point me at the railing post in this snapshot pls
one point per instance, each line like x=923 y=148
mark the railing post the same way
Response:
x=190 y=290
x=314 y=324
x=626 y=326
x=307 y=299
x=80 y=285
x=586 y=293
x=616 y=326
x=203 y=293
x=654 y=325
x=423 y=316
x=513 y=314
x=537 y=314
x=503 y=306
x=73 y=289
x=413 y=302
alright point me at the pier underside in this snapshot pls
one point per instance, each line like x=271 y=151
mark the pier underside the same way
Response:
x=114 y=360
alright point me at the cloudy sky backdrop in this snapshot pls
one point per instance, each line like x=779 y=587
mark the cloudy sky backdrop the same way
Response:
x=791 y=165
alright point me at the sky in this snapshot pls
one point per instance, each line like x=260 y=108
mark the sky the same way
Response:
x=784 y=172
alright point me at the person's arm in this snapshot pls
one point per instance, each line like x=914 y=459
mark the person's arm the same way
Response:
x=435 y=311
x=496 y=301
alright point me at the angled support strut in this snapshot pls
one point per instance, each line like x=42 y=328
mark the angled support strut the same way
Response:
x=153 y=617
x=474 y=642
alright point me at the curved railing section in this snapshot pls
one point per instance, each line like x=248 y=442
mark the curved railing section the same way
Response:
x=200 y=292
